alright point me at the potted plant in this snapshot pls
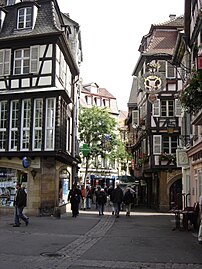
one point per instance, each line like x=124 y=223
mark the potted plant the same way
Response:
x=191 y=95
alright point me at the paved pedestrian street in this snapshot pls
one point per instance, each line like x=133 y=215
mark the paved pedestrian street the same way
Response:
x=143 y=240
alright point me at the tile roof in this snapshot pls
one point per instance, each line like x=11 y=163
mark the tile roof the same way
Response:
x=162 y=41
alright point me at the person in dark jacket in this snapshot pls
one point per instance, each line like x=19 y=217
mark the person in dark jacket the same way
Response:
x=101 y=199
x=117 y=198
x=19 y=203
x=74 y=197
x=128 y=199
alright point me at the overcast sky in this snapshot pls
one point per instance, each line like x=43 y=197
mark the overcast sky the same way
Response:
x=111 y=32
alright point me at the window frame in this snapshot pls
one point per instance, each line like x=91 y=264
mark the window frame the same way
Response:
x=37 y=129
x=50 y=124
x=13 y=130
x=25 y=123
x=25 y=18
x=23 y=62
x=3 y=122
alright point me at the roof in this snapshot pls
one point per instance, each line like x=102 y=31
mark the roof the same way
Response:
x=160 y=40
x=48 y=20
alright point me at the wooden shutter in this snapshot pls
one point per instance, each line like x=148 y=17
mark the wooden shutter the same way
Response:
x=157 y=144
x=7 y=61
x=170 y=71
x=135 y=118
x=34 y=59
x=178 y=108
x=156 y=108
x=1 y=62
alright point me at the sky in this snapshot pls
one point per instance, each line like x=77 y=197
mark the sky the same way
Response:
x=111 y=33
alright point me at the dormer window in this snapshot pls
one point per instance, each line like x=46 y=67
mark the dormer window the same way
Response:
x=10 y=2
x=24 y=18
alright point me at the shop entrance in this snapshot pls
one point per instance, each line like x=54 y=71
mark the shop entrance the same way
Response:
x=175 y=195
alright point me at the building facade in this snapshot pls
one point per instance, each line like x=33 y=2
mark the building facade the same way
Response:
x=188 y=54
x=155 y=117
x=105 y=172
x=40 y=52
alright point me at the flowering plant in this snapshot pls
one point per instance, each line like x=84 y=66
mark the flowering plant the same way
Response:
x=167 y=157
x=191 y=95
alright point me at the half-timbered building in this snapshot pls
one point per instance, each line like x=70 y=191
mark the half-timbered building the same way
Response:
x=156 y=117
x=40 y=52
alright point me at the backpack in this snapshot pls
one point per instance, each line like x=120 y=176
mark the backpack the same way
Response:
x=100 y=197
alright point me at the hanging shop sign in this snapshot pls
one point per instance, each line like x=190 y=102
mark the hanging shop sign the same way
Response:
x=152 y=83
x=152 y=98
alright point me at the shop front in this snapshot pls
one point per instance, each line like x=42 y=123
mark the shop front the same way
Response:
x=8 y=179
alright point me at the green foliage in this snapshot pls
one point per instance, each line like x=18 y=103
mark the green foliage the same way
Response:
x=94 y=124
x=191 y=95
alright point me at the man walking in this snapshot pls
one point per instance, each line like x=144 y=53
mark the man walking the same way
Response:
x=20 y=202
x=117 y=198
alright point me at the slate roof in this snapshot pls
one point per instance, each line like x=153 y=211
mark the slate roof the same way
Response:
x=48 y=20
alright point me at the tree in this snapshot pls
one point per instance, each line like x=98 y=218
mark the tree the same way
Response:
x=97 y=130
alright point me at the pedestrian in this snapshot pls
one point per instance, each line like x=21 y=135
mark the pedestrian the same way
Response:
x=88 y=197
x=117 y=198
x=110 y=192
x=200 y=214
x=20 y=203
x=101 y=199
x=83 y=196
x=128 y=199
x=74 y=197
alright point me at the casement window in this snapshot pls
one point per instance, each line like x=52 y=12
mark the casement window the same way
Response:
x=37 y=124
x=169 y=144
x=88 y=100
x=5 y=59
x=135 y=118
x=24 y=20
x=3 y=122
x=157 y=144
x=10 y=2
x=25 y=124
x=14 y=122
x=26 y=60
x=167 y=108
x=68 y=143
x=166 y=144
x=50 y=124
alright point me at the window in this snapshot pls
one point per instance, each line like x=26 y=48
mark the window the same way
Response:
x=135 y=118
x=3 y=121
x=14 y=120
x=5 y=58
x=24 y=18
x=37 y=127
x=169 y=144
x=26 y=118
x=167 y=108
x=26 y=60
x=10 y=2
x=50 y=123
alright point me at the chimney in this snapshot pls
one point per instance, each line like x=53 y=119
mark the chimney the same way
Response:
x=172 y=16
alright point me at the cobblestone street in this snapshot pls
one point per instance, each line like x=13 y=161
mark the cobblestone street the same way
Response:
x=144 y=240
